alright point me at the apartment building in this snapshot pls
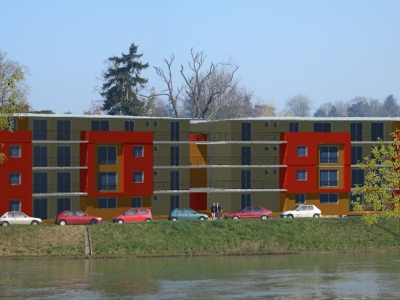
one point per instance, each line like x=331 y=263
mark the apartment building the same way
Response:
x=106 y=164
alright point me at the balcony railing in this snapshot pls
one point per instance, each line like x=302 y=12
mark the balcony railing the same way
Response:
x=56 y=135
x=211 y=161
x=57 y=162
x=59 y=189
x=220 y=184
x=329 y=183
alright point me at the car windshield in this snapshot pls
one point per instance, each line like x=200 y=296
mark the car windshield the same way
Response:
x=296 y=207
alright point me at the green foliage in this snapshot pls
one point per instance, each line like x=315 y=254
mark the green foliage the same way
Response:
x=121 y=84
x=380 y=193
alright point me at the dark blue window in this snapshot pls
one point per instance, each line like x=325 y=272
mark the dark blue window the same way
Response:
x=329 y=154
x=63 y=204
x=246 y=200
x=15 y=151
x=246 y=179
x=63 y=156
x=39 y=183
x=40 y=130
x=175 y=156
x=100 y=126
x=136 y=201
x=246 y=131
x=376 y=131
x=301 y=175
x=246 y=156
x=138 y=151
x=356 y=130
x=175 y=131
x=138 y=176
x=63 y=182
x=301 y=151
x=63 y=130
x=107 y=181
x=329 y=178
x=174 y=202
x=109 y=202
x=328 y=199
x=322 y=127
x=357 y=177
x=107 y=155
x=293 y=127
x=40 y=208
x=15 y=205
x=129 y=126
x=15 y=178
x=300 y=198
x=174 y=180
x=40 y=156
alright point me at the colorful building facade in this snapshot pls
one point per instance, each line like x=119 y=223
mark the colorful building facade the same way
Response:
x=105 y=165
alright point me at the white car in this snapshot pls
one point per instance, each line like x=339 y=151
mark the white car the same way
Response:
x=18 y=218
x=302 y=211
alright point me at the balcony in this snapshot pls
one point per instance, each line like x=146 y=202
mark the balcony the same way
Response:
x=217 y=161
x=219 y=185
x=57 y=162
x=74 y=189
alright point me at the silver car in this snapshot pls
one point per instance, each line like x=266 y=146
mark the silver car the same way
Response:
x=302 y=211
x=18 y=218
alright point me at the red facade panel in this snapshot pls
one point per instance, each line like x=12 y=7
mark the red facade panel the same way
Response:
x=21 y=165
x=130 y=164
x=310 y=163
x=202 y=137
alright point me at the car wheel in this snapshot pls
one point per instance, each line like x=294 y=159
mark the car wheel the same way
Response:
x=264 y=218
x=174 y=219
x=5 y=224
x=316 y=216
x=235 y=218
x=202 y=218
x=63 y=222
x=93 y=222
x=35 y=223
x=290 y=216
x=119 y=221
x=148 y=220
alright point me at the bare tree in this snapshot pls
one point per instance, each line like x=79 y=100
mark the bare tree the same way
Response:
x=299 y=105
x=264 y=110
x=95 y=108
x=9 y=69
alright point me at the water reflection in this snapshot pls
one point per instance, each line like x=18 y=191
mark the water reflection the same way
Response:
x=305 y=276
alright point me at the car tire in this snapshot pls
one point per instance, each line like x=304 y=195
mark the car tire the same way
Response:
x=120 y=221
x=174 y=219
x=93 y=222
x=235 y=218
x=290 y=216
x=264 y=218
x=202 y=219
x=35 y=223
x=148 y=220
x=5 y=224
x=316 y=216
x=63 y=222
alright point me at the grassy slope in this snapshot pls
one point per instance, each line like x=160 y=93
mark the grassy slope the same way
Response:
x=202 y=238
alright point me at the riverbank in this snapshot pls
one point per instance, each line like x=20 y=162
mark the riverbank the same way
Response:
x=166 y=238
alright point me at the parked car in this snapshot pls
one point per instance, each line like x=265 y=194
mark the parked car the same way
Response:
x=253 y=212
x=302 y=211
x=134 y=215
x=18 y=218
x=186 y=214
x=75 y=217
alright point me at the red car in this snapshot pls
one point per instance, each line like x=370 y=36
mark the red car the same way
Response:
x=134 y=215
x=254 y=212
x=76 y=217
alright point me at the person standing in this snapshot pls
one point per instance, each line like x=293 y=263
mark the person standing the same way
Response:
x=219 y=211
x=213 y=209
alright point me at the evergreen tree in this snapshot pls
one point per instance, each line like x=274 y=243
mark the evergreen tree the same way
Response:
x=121 y=82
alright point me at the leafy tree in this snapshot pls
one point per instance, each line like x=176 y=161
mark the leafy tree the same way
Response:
x=12 y=102
x=299 y=105
x=390 y=106
x=366 y=107
x=380 y=192
x=122 y=82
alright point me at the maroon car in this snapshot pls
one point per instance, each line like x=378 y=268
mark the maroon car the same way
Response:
x=254 y=212
x=133 y=215
x=76 y=217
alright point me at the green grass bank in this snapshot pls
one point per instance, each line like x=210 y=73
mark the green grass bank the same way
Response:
x=166 y=238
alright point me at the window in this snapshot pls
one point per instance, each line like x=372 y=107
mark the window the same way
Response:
x=138 y=151
x=15 y=178
x=174 y=156
x=356 y=154
x=107 y=155
x=301 y=151
x=275 y=148
x=107 y=181
x=301 y=175
x=328 y=178
x=129 y=126
x=15 y=205
x=266 y=172
x=64 y=156
x=267 y=124
x=322 y=127
x=376 y=131
x=155 y=123
x=136 y=201
x=357 y=177
x=300 y=198
x=293 y=127
x=40 y=156
x=266 y=148
x=15 y=151
x=246 y=131
x=138 y=176
x=246 y=156
x=356 y=130
x=275 y=124
x=174 y=180
x=246 y=200
x=246 y=179
x=63 y=130
x=175 y=131
x=328 y=199
x=63 y=182
x=329 y=154
x=174 y=202
x=275 y=172
x=355 y=198
x=40 y=130
x=147 y=123
x=13 y=124
x=63 y=204
x=39 y=183
x=40 y=208
x=110 y=202
x=100 y=126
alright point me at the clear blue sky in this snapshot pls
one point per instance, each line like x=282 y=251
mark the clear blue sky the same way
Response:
x=327 y=50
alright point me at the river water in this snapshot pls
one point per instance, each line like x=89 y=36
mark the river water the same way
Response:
x=302 y=276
